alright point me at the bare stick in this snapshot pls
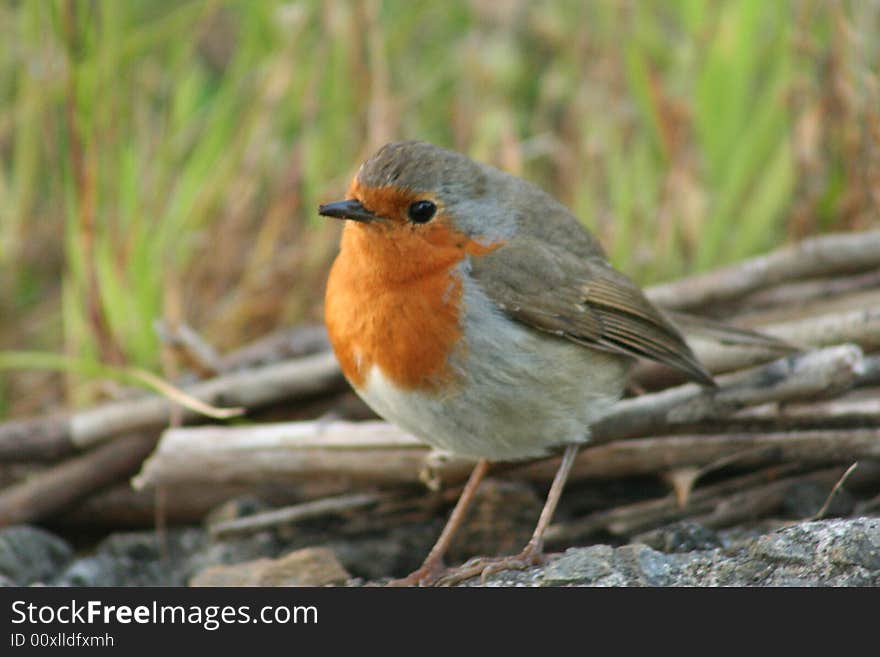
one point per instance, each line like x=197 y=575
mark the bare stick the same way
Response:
x=283 y=345
x=826 y=372
x=820 y=256
x=374 y=452
x=799 y=292
x=40 y=439
x=719 y=505
x=293 y=514
x=751 y=504
x=652 y=455
x=861 y=327
x=638 y=516
x=789 y=312
x=121 y=505
x=252 y=388
x=183 y=338
x=63 y=485
x=290 y=380
x=380 y=454
x=756 y=503
x=824 y=509
x=855 y=409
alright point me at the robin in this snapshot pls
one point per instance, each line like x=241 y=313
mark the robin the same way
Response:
x=473 y=310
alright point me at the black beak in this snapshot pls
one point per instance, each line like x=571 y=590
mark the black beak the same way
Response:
x=348 y=209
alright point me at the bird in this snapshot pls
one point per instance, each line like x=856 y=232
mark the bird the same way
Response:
x=472 y=309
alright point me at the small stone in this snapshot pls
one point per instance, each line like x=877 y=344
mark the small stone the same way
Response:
x=97 y=570
x=637 y=564
x=29 y=555
x=655 y=568
x=791 y=546
x=140 y=558
x=684 y=536
x=306 y=567
x=859 y=549
x=580 y=565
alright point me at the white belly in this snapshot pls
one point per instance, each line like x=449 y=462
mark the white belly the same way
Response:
x=518 y=392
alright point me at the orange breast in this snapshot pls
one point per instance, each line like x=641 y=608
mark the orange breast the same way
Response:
x=394 y=301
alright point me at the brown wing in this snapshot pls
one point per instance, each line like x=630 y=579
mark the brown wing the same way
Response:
x=584 y=300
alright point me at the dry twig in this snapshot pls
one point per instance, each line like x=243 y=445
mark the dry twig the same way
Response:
x=293 y=514
x=61 y=486
x=290 y=380
x=828 y=255
x=860 y=327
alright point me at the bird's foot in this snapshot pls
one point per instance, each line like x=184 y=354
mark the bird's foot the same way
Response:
x=428 y=574
x=484 y=567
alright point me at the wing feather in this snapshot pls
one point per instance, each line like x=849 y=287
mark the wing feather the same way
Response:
x=583 y=300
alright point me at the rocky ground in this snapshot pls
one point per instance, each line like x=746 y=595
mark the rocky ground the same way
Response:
x=372 y=544
x=835 y=552
x=822 y=553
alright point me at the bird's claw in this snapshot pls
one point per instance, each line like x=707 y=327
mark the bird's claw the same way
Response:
x=428 y=574
x=485 y=567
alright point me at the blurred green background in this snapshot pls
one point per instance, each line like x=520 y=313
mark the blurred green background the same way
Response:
x=164 y=159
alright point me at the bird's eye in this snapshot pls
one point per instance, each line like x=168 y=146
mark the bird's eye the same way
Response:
x=421 y=212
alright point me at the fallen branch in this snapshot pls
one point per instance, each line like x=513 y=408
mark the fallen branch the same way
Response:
x=382 y=454
x=63 y=485
x=783 y=313
x=801 y=292
x=189 y=346
x=718 y=505
x=652 y=455
x=283 y=345
x=57 y=435
x=629 y=519
x=374 y=452
x=812 y=258
x=857 y=409
x=293 y=514
x=121 y=505
x=860 y=327
x=39 y=439
x=759 y=502
x=826 y=372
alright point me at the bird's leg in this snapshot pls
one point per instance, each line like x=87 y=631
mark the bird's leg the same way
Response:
x=433 y=567
x=533 y=553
